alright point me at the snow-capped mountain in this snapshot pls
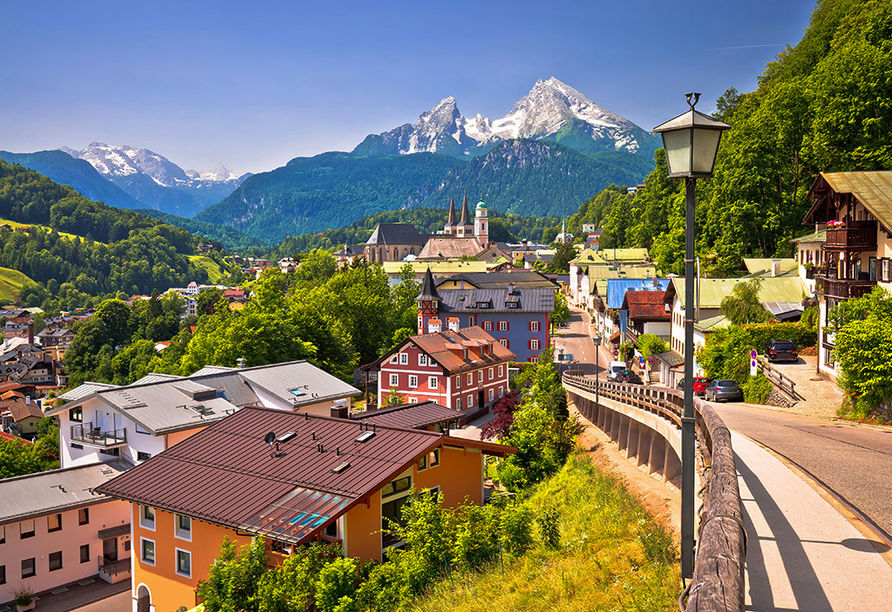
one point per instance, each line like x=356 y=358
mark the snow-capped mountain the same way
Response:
x=158 y=182
x=552 y=111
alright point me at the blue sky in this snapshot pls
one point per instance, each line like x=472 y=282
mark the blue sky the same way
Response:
x=254 y=84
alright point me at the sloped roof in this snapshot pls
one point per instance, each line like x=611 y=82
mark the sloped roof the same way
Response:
x=20 y=409
x=588 y=257
x=55 y=490
x=712 y=290
x=446 y=247
x=817 y=236
x=759 y=266
x=872 y=188
x=446 y=349
x=712 y=323
x=448 y=267
x=410 y=416
x=523 y=279
x=617 y=287
x=631 y=254
x=428 y=291
x=670 y=358
x=646 y=306
x=496 y=300
x=396 y=233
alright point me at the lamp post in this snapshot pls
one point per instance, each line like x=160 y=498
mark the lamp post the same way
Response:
x=691 y=141
x=597 y=340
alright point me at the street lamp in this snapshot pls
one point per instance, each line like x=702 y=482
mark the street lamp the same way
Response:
x=597 y=341
x=691 y=141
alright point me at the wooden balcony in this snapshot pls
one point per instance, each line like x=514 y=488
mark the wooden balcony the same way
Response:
x=85 y=433
x=857 y=236
x=845 y=289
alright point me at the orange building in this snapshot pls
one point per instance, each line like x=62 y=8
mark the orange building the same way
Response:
x=293 y=478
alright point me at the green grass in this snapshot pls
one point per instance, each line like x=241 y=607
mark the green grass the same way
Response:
x=213 y=269
x=612 y=556
x=17 y=224
x=11 y=282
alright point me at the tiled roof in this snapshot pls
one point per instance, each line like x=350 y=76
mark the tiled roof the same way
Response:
x=670 y=358
x=20 y=409
x=410 y=416
x=712 y=323
x=56 y=490
x=226 y=474
x=646 y=306
x=446 y=348
x=445 y=247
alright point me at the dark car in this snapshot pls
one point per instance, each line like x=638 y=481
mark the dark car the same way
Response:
x=700 y=383
x=782 y=350
x=628 y=376
x=723 y=391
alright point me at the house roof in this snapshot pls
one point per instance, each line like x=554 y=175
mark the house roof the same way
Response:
x=646 y=306
x=872 y=188
x=617 y=287
x=448 y=247
x=632 y=254
x=448 y=267
x=396 y=233
x=20 y=409
x=228 y=475
x=670 y=358
x=162 y=403
x=496 y=300
x=712 y=290
x=523 y=279
x=56 y=490
x=762 y=266
x=712 y=323
x=428 y=291
x=588 y=257
x=446 y=348
x=409 y=416
x=816 y=236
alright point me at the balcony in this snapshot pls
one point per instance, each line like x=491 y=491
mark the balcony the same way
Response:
x=845 y=289
x=85 y=433
x=859 y=236
x=114 y=571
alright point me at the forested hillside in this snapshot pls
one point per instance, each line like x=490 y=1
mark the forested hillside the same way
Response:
x=228 y=237
x=121 y=251
x=823 y=106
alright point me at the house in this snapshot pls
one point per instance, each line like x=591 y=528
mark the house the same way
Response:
x=610 y=318
x=521 y=279
x=810 y=255
x=19 y=414
x=855 y=210
x=647 y=313
x=347 y=253
x=56 y=336
x=465 y=370
x=441 y=269
x=55 y=529
x=140 y=420
x=292 y=478
x=519 y=318
x=781 y=295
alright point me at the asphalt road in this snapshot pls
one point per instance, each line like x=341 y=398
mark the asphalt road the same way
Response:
x=576 y=340
x=852 y=461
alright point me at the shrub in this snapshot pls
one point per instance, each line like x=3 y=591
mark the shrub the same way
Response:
x=337 y=586
x=651 y=344
x=549 y=529
x=515 y=522
x=757 y=389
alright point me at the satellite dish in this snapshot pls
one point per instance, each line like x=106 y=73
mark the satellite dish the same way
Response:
x=270 y=438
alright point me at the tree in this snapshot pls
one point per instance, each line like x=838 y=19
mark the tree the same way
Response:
x=561 y=313
x=231 y=585
x=564 y=253
x=743 y=305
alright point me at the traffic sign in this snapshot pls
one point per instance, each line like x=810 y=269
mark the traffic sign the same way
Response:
x=754 y=365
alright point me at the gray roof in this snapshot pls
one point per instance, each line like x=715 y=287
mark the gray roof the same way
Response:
x=500 y=280
x=163 y=404
x=154 y=377
x=466 y=300
x=396 y=233
x=56 y=490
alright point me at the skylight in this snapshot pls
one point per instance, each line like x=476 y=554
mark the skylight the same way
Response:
x=297 y=391
x=365 y=436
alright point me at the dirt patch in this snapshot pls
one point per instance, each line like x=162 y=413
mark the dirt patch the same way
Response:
x=662 y=501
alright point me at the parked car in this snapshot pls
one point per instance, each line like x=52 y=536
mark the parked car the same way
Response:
x=782 y=350
x=700 y=383
x=614 y=369
x=723 y=391
x=628 y=376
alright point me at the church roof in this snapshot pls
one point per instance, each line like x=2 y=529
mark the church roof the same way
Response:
x=448 y=247
x=396 y=233
x=465 y=217
x=428 y=291
x=450 y=221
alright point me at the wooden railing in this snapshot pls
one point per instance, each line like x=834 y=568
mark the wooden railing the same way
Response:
x=779 y=380
x=845 y=288
x=854 y=236
x=718 y=583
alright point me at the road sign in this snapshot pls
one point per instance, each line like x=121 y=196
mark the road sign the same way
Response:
x=753 y=354
x=754 y=365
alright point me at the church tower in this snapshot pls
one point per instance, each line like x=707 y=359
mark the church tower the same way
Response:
x=465 y=227
x=449 y=228
x=428 y=300
x=481 y=224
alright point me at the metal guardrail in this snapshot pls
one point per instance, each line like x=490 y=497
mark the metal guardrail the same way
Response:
x=718 y=582
x=85 y=432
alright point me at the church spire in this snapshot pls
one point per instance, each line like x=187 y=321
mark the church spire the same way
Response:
x=449 y=228
x=464 y=213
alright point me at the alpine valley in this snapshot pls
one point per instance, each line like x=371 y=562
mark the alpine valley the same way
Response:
x=551 y=152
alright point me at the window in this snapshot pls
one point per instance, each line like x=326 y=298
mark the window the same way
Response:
x=490 y=376
x=147 y=517
x=126 y=545
x=534 y=326
x=148 y=551
x=2 y=574
x=434 y=457
x=492 y=394
x=85 y=553
x=83 y=516
x=396 y=486
x=27 y=528
x=55 y=561
x=458 y=403
x=501 y=392
x=413 y=381
x=470 y=379
x=394 y=380
x=534 y=359
x=503 y=325
x=487 y=326
x=504 y=342
x=422 y=359
x=2 y=534
x=394 y=359
x=54 y=523
x=184 y=563
x=500 y=371
x=404 y=358
x=464 y=354
x=534 y=344
x=183 y=527
x=432 y=382
x=29 y=568
x=141 y=456
x=331 y=530
x=471 y=321
x=479 y=376
x=470 y=401
x=458 y=382
x=76 y=414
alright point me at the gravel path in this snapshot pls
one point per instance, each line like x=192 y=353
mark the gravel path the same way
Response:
x=822 y=396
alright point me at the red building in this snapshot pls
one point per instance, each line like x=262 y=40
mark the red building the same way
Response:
x=463 y=369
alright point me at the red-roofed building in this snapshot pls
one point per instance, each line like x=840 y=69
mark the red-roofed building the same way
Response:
x=462 y=369
x=647 y=314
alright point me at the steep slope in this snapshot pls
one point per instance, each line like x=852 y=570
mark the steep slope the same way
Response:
x=229 y=237
x=76 y=173
x=552 y=111
x=310 y=194
x=155 y=180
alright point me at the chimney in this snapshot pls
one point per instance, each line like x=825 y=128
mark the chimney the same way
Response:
x=452 y=323
x=28 y=400
x=240 y=363
x=434 y=326
x=775 y=267
x=340 y=409
x=512 y=288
